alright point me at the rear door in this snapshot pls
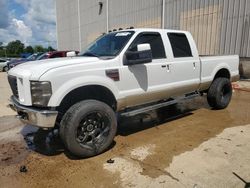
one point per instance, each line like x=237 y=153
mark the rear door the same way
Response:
x=184 y=69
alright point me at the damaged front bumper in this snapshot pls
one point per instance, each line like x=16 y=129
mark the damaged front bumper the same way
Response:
x=34 y=116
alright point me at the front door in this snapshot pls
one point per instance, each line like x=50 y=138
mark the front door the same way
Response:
x=143 y=83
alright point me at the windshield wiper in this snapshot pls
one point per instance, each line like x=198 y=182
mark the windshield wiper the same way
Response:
x=90 y=54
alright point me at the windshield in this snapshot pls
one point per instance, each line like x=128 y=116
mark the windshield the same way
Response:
x=43 y=56
x=108 y=45
x=32 y=57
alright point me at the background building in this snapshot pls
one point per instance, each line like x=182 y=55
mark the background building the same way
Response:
x=218 y=26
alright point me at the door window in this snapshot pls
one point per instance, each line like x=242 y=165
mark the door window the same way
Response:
x=155 y=41
x=180 y=45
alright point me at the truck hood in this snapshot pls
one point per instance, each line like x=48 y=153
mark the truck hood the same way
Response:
x=35 y=69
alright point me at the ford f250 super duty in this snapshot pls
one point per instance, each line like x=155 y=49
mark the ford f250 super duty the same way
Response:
x=125 y=72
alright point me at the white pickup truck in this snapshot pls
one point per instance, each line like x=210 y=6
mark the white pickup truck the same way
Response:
x=125 y=72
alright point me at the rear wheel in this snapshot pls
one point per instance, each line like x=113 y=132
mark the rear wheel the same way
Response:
x=88 y=128
x=220 y=93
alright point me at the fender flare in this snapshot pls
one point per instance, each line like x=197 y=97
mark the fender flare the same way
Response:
x=220 y=67
x=70 y=85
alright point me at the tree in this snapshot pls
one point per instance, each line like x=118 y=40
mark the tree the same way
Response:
x=29 y=49
x=1 y=45
x=15 y=47
x=50 y=49
x=2 y=50
x=39 y=48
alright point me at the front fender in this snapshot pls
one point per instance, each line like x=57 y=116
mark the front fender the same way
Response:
x=72 y=84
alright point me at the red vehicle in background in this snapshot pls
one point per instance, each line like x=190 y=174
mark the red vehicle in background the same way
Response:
x=55 y=54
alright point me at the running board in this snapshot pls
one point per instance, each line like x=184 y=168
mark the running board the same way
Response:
x=133 y=112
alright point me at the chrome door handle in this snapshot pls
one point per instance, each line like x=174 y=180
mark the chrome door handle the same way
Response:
x=194 y=64
x=168 y=68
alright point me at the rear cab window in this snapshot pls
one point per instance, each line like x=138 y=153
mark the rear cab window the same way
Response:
x=155 y=41
x=180 y=45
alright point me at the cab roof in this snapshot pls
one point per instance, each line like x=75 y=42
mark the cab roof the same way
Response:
x=152 y=30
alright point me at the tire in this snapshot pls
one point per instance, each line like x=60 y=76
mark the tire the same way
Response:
x=88 y=128
x=5 y=69
x=220 y=93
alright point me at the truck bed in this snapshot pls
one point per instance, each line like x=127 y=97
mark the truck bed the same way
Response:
x=211 y=64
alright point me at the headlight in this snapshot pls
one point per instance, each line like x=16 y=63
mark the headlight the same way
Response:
x=40 y=93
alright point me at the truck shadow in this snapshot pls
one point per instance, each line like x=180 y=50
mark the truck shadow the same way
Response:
x=131 y=125
x=45 y=142
x=48 y=142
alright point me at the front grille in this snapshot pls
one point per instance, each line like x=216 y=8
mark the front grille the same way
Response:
x=13 y=85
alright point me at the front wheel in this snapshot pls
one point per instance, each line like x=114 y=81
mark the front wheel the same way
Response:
x=220 y=93
x=88 y=128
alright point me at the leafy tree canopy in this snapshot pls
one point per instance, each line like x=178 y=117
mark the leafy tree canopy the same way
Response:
x=29 y=49
x=15 y=47
x=50 y=49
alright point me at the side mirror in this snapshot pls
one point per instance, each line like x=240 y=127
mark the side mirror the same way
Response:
x=143 y=47
x=142 y=55
x=71 y=54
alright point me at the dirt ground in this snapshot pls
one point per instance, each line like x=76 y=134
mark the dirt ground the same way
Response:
x=186 y=145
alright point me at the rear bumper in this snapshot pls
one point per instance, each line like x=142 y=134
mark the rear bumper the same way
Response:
x=34 y=116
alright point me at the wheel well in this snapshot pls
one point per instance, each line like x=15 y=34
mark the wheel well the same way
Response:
x=223 y=73
x=96 y=92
